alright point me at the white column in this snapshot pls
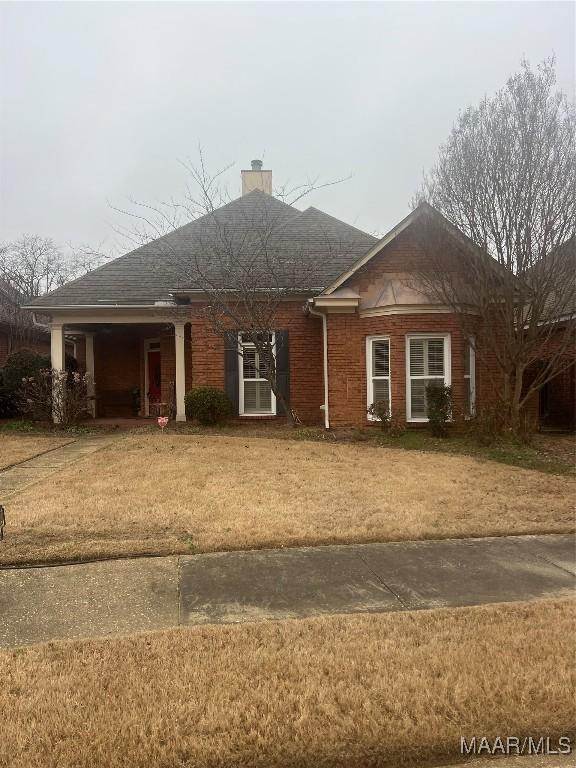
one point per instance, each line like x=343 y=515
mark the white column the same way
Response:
x=180 y=370
x=91 y=389
x=58 y=361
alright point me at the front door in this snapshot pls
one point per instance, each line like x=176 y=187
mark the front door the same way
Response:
x=154 y=378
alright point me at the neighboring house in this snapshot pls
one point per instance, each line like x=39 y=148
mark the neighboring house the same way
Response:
x=20 y=330
x=359 y=334
x=17 y=329
x=556 y=403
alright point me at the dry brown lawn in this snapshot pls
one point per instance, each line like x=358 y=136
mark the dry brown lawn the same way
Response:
x=17 y=448
x=374 y=690
x=173 y=494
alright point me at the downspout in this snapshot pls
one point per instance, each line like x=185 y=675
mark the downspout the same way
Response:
x=325 y=355
x=38 y=324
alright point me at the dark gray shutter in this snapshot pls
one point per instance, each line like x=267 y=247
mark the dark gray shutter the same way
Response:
x=231 y=381
x=282 y=368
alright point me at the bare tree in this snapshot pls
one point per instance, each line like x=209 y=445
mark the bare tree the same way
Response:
x=241 y=268
x=34 y=265
x=506 y=178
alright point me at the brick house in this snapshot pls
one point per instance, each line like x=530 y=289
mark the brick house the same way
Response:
x=359 y=334
x=20 y=331
x=17 y=331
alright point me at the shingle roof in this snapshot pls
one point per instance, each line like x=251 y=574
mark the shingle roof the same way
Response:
x=256 y=228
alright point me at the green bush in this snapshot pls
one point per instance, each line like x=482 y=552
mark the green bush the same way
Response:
x=439 y=400
x=380 y=411
x=19 y=425
x=8 y=403
x=20 y=365
x=208 y=405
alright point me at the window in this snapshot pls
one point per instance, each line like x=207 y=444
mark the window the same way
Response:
x=378 y=371
x=427 y=362
x=256 y=396
x=469 y=377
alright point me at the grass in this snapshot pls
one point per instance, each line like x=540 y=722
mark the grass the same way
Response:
x=161 y=494
x=375 y=690
x=17 y=448
x=552 y=453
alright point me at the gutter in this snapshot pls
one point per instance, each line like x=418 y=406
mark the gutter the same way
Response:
x=49 y=307
x=325 y=359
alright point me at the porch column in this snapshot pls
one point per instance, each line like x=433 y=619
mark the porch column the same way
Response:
x=90 y=387
x=58 y=362
x=180 y=370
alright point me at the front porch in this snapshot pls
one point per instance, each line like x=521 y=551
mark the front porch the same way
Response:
x=139 y=369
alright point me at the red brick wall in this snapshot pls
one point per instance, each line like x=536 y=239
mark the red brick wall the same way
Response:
x=305 y=357
x=8 y=344
x=347 y=360
x=119 y=360
x=562 y=400
x=116 y=370
x=403 y=254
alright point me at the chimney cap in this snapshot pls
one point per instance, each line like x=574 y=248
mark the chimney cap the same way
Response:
x=256 y=165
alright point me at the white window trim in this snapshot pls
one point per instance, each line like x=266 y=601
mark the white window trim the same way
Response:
x=447 y=368
x=252 y=414
x=472 y=376
x=369 y=377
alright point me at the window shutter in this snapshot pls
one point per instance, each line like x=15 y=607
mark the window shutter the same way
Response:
x=282 y=368
x=436 y=357
x=231 y=381
x=381 y=358
x=417 y=357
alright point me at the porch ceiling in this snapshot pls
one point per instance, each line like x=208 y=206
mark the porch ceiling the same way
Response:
x=105 y=327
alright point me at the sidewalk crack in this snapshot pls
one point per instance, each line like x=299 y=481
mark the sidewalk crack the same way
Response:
x=381 y=580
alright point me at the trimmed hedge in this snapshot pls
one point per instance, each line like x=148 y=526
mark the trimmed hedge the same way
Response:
x=208 y=405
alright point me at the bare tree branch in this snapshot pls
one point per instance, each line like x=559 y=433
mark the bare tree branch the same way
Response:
x=506 y=178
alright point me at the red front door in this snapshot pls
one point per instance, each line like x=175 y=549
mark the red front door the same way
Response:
x=154 y=376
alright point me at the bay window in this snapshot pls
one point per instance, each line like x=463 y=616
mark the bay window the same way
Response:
x=427 y=362
x=378 y=371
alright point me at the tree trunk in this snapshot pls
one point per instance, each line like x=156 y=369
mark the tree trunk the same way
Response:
x=516 y=396
x=291 y=417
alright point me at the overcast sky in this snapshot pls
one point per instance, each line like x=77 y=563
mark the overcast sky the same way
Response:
x=100 y=100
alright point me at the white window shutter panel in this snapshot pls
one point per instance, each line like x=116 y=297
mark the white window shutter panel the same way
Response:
x=435 y=357
x=264 y=396
x=381 y=390
x=250 y=396
x=381 y=358
x=417 y=357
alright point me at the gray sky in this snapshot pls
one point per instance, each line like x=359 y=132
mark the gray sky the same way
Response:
x=100 y=100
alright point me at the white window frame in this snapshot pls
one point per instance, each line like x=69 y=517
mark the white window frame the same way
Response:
x=447 y=369
x=370 y=378
x=472 y=375
x=241 y=380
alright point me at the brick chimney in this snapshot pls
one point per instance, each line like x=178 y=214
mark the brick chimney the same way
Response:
x=256 y=178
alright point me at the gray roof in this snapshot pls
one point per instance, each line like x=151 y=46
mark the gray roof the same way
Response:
x=256 y=239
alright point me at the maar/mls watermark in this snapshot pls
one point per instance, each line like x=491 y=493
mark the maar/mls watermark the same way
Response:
x=516 y=745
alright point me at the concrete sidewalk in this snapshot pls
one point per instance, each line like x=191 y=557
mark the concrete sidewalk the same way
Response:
x=123 y=596
x=33 y=470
